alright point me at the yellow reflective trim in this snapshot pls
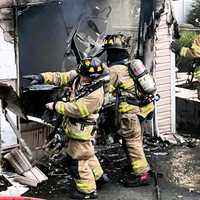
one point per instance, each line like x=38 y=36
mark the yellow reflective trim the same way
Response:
x=82 y=135
x=85 y=186
x=127 y=84
x=125 y=107
x=98 y=172
x=110 y=41
x=91 y=69
x=196 y=48
x=87 y=62
x=140 y=166
x=118 y=41
x=111 y=88
x=99 y=69
x=48 y=77
x=145 y=110
x=61 y=79
x=197 y=73
x=183 y=51
x=82 y=109
x=64 y=78
x=60 y=107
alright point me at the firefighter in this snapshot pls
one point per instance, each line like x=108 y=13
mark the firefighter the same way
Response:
x=192 y=52
x=79 y=122
x=116 y=46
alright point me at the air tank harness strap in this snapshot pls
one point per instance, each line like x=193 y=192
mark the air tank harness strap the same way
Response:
x=130 y=100
x=139 y=102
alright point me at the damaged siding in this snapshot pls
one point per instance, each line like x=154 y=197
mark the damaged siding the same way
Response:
x=163 y=76
x=8 y=76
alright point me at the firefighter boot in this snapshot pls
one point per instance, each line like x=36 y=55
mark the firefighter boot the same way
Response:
x=104 y=179
x=136 y=181
x=80 y=195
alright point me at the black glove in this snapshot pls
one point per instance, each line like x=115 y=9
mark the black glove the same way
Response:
x=175 y=47
x=35 y=79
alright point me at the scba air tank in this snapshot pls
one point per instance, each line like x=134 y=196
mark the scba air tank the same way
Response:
x=142 y=76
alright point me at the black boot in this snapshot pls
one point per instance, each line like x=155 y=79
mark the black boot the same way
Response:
x=102 y=180
x=80 y=195
x=136 y=181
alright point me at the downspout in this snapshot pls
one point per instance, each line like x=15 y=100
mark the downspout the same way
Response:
x=173 y=94
x=173 y=80
x=156 y=131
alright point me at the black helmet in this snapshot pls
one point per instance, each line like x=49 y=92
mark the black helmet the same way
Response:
x=119 y=40
x=91 y=67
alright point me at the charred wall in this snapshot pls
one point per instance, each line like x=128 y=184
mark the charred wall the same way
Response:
x=43 y=32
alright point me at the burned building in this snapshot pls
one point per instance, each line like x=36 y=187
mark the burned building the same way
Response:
x=41 y=32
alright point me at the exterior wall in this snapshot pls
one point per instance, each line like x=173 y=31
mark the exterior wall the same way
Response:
x=164 y=76
x=8 y=75
x=182 y=8
x=187 y=110
x=35 y=136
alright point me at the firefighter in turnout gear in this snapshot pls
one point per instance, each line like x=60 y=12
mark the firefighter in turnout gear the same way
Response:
x=122 y=85
x=192 y=52
x=79 y=123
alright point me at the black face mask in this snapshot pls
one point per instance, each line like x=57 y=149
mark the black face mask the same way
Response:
x=116 y=56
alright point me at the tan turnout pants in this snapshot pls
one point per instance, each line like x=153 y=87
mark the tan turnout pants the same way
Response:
x=132 y=135
x=83 y=165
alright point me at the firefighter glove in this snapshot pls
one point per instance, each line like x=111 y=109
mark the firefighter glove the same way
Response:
x=35 y=79
x=175 y=47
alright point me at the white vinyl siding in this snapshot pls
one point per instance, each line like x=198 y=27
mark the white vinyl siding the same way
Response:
x=182 y=9
x=163 y=78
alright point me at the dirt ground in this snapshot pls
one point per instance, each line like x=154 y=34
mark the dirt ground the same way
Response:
x=177 y=166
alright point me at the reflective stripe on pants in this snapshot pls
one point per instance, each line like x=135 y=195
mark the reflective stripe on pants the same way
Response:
x=84 y=166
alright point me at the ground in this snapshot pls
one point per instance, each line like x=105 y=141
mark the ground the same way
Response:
x=177 y=166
